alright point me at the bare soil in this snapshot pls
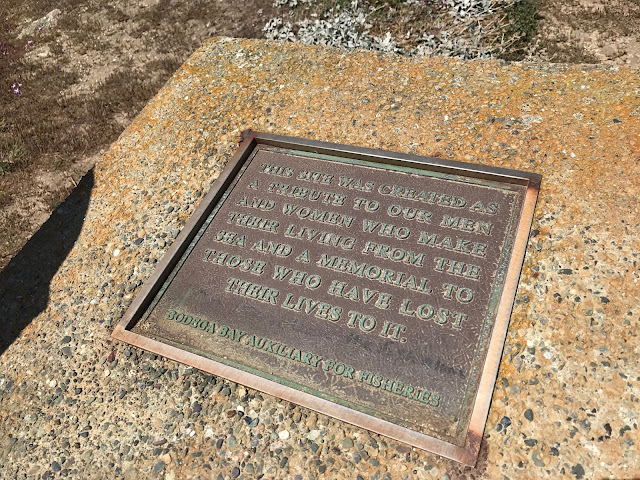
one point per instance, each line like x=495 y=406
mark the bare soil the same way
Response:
x=588 y=31
x=69 y=88
x=70 y=85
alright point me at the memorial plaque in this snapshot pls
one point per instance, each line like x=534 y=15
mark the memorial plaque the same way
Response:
x=371 y=286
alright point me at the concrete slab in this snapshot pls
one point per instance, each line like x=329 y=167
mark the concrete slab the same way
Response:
x=566 y=400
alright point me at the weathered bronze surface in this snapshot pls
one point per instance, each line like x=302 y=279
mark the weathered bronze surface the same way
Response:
x=371 y=286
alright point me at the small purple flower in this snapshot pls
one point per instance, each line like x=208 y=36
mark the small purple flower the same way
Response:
x=29 y=42
x=16 y=88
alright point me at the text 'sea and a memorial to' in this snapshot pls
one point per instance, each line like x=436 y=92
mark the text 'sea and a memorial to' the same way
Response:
x=371 y=286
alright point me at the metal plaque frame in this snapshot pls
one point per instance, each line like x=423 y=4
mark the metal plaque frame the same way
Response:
x=467 y=453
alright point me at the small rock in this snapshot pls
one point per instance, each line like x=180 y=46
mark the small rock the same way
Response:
x=65 y=339
x=578 y=471
x=235 y=473
x=35 y=470
x=158 y=467
x=31 y=418
x=536 y=459
x=347 y=443
x=505 y=422
x=528 y=414
x=283 y=435
x=55 y=466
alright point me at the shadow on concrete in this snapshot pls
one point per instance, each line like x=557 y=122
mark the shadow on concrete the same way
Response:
x=24 y=282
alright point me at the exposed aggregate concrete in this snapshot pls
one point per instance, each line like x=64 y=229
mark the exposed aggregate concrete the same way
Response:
x=74 y=403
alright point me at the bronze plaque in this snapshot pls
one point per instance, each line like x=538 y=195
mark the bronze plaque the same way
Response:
x=371 y=286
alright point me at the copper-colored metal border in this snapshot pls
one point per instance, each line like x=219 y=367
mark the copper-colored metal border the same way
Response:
x=467 y=454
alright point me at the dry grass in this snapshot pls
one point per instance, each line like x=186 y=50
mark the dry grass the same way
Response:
x=44 y=124
x=82 y=81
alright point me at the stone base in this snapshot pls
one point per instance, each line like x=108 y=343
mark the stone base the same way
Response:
x=566 y=399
